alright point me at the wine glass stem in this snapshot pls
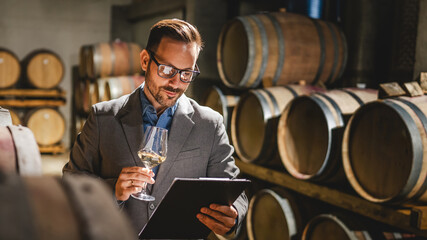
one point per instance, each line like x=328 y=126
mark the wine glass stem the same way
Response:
x=144 y=188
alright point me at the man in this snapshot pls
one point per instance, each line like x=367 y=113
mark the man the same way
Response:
x=198 y=145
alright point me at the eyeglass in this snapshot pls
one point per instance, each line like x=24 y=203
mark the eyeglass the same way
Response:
x=166 y=71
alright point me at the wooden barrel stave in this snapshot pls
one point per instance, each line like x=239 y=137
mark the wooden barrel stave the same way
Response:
x=47 y=124
x=79 y=95
x=273 y=214
x=77 y=207
x=15 y=115
x=339 y=227
x=279 y=49
x=402 y=146
x=20 y=153
x=48 y=219
x=254 y=122
x=92 y=198
x=116 y=87
x=122 y=56
x=277 y=213
x=43 y=69
x=222 y=103
x=316 y=122
x=112 y=59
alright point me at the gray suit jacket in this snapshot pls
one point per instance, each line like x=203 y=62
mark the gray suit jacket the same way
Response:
x=198 y=146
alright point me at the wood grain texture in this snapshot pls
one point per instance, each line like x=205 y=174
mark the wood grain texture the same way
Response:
x=47 y=124
x=274 y=214
x=389 y=133
x=10 y=69
x=278 y=49
x=20 y=153
x=110 y=59
x=224 y=104
x=45 y=70
x=254 y=121
x=310 y=132
x=76 y=207
x=381 y=213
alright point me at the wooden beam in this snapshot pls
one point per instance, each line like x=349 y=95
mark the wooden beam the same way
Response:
x=394 y=217
x=32 y=103
x=32 y=93
x=392 y=89
x=149 y=8
x=54 y=149
x=413 y=89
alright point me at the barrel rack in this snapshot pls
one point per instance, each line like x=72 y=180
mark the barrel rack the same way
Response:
x=23 y=98
x=407 y=217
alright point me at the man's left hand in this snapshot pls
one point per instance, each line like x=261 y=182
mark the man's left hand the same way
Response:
x=218 y=218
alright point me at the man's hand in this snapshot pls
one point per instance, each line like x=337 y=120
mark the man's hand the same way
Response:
x=218 y=218
x=131 y=180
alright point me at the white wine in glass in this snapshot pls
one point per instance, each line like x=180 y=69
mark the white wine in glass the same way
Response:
x=150 y=159
x=152 y=154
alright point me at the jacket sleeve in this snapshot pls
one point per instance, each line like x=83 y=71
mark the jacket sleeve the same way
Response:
x=84 y=155
x=222 y=164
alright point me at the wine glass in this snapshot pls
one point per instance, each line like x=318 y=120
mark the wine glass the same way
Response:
x=152 y=154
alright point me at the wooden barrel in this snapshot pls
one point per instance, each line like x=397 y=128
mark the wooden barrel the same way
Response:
x=254 y=122
x=85 y=53
x=47 y=124
x=224 y=104
x=16 y=119
x=116 y=87
x=9 y=117
x=19 y=151
x=79 y=95
x=75 y=208
x=43 y=69
x=279 y=214
x=10 y=68
x=110 y=59
x=332 y=227
x=279 y=49
x=90 y=95
x=389 y=133
x=101 y=84
x=310 y=132
x=80 y=122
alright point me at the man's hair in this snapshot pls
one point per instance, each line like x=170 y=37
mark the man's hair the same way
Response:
x=175 y=29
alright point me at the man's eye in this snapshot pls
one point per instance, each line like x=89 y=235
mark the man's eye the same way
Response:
x=187 y=74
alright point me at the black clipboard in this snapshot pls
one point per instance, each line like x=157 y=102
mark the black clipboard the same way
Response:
x=175 y=216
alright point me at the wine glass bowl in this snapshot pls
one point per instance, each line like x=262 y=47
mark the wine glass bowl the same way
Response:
x=152 y=154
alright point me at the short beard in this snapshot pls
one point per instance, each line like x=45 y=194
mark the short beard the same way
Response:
x=159 y=99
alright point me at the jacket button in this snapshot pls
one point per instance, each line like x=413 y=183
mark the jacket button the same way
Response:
x=152 y=206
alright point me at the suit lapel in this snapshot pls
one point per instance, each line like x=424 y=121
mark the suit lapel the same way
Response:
x=180 y=130
x=131 y=119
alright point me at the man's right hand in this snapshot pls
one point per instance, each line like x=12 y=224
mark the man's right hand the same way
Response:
x=131 y=180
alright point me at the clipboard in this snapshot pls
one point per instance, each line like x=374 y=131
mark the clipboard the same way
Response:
x=175 y=216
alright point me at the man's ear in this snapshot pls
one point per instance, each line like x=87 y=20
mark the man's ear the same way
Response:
x=145 y=59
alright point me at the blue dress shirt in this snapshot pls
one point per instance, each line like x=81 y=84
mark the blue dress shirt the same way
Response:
x=149 y=115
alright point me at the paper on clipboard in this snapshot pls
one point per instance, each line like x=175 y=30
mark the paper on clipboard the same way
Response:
x=175 y=216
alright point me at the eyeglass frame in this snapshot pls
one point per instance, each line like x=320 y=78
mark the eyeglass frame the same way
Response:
x=196 y=72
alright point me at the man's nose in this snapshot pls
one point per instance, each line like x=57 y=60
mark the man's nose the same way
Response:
x=175 y=80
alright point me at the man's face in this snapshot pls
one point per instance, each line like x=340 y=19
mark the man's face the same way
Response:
x=161 y=92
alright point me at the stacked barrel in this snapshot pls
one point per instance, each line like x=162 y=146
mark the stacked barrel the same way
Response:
x=275 y=70
x=106 y=71
x=46 y=207
x=30 y=90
